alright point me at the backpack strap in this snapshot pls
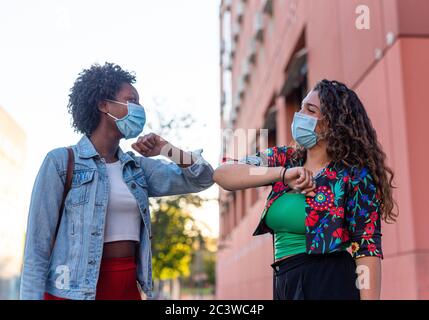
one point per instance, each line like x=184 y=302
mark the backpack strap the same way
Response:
x=67 y=186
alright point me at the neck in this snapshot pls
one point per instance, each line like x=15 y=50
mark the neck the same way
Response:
x=317 y=157
x=106 y=143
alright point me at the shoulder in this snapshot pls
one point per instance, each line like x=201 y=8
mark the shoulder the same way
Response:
x=360 y=174
x=58 y=157
x=353 y=173
x=278 y=155
x=361 y=180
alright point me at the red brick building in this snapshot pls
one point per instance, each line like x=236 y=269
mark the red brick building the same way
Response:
x=273 y=51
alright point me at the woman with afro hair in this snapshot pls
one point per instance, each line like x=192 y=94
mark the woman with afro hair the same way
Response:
x=330 y=190
x=95 y=241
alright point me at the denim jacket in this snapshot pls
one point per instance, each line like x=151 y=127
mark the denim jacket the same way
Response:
x=70 y=268
x=343 y=214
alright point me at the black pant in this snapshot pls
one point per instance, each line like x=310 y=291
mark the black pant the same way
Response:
x=316 y=277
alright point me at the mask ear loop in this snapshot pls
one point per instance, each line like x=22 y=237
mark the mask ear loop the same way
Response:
x=112 y=116
x=127 y=104
x=113 y=101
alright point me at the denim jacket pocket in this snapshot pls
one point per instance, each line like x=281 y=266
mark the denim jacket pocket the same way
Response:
x=79 y=192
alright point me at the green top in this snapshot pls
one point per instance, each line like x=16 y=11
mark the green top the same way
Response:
x=286 y=217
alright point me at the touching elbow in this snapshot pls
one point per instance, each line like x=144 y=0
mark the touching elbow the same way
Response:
x=219 y=178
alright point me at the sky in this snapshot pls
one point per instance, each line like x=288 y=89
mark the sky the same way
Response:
x=172 y=46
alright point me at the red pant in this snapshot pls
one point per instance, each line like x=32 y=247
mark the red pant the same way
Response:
x=117 y=281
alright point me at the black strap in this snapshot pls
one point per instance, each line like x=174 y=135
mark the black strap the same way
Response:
x=67 y=186
x=274 y=272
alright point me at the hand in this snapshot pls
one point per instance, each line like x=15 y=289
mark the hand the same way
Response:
x=301 y=180
x=149 y=145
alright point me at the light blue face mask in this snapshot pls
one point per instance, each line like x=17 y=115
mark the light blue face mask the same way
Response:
x=133 y=123
x=303 y=130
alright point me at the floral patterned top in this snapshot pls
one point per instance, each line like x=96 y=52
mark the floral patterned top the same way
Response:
x=344 y=213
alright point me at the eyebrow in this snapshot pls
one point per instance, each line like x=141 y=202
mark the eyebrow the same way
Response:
x=131 y=97
x=313 y=105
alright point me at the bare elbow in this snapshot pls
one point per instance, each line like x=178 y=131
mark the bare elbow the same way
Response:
x=219 y=178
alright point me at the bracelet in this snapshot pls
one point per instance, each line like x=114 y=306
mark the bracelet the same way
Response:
x=283 y=176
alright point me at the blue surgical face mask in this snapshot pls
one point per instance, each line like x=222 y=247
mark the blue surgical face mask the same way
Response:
x=133 y=123
x=303 y=130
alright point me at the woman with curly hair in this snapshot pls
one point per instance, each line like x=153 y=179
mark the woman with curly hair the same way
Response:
x=329 y=193
x=95 y=244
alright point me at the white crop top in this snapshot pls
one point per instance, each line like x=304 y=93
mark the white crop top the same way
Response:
x=123 y=220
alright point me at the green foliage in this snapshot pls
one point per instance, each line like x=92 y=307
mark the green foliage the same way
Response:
x=174 y=235
x=210 y=267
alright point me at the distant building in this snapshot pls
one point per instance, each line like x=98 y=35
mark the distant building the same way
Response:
x=12 y=204
x=272 y=53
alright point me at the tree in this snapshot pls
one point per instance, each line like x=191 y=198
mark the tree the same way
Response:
x=174 y=235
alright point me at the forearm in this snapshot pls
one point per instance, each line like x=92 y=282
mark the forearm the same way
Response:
x=243 y=176
x=369 y=277
x=165 y=178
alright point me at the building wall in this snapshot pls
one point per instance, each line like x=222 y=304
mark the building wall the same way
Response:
x=12 y=168
x=386 y=65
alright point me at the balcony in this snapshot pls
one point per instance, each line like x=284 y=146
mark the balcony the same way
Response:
x=232 y=53
x=235 y=31
x=222 y=47
x=245 y=69
x=268 y=7
x=259 y=26
x=223 y=99
x=240 y=88
x=227 y=4
x=252 y=51
x=240 y=11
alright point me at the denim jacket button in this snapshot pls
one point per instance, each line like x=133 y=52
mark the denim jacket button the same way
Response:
x=144 y=210
x=133 y=185
x=92 y=262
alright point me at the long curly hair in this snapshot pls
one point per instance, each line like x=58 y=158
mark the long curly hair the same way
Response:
x=352 y=140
